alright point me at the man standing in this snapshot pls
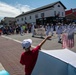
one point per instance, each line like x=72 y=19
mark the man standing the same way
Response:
x=59 y=32
x=48 y=29
x=32 y=30
x=52 y=29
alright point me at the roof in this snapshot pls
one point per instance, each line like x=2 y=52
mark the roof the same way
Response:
x=9 y=17
x=71 y=16
x=67 y=12
x=41 y=8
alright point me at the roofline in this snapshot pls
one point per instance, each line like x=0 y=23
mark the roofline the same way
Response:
x=71 y=14
x=41 y=8
x=9 y=17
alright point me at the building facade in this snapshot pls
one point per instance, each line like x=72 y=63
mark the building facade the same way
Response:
x=9 y=21
x=45 y=14
x=71 y=14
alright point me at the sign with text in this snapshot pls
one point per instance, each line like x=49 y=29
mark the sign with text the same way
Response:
x=40 y=31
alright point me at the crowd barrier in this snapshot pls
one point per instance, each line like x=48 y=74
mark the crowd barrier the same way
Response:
x=55 y=62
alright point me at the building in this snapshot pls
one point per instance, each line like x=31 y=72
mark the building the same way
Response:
x=42 y=15
x=71 y=14
x=9 y=21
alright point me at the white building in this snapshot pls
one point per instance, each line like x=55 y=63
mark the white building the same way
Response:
x=43 y=15
x=9 y=20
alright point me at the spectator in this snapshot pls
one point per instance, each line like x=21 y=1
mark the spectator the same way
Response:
x=29 y=57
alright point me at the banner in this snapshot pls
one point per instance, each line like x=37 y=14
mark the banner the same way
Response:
x=40 y=32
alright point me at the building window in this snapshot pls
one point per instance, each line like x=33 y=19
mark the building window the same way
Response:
x=42 y=15
x=25 y=18
x=22 y=19
x=55 y=13
x=58 y=12
x=36 y=16
x=58 y=5
x=30 y=17
x=17 y=19
x=62 y=14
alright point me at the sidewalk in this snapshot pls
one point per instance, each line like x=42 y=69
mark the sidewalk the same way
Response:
x=10 y=52
x=1 y=67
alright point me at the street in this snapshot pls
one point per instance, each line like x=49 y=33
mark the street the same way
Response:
x=51 y=44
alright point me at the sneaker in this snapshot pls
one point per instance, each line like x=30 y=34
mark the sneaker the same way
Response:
x=32 y=35
x=59 y=42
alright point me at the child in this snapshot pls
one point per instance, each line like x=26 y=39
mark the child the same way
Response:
x=29 y=57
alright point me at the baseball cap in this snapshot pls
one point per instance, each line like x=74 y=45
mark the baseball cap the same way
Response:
x=26 y=43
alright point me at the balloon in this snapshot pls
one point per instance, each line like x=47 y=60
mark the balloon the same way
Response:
x=4 y=72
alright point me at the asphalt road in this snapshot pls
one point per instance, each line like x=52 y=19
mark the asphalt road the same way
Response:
x=51 y=44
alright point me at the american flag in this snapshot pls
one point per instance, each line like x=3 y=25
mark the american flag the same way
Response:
x=71 y=39
x=64 y=40
x=67 y=41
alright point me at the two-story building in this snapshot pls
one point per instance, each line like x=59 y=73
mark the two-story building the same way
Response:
x=42 y=15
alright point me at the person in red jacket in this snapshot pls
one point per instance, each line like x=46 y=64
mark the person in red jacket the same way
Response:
x=29 y=57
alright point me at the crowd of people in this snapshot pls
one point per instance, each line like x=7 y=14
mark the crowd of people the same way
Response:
x=15 y=29
x=59 y=28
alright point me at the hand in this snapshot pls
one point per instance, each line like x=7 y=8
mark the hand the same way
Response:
x=42 y=42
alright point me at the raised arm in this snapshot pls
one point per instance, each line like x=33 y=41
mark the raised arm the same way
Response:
x=44 y=41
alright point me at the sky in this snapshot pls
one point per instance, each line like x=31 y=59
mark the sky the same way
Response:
x=12 y=8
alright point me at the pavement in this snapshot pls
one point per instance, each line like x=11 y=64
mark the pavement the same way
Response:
x=10 y=52
x=1 y=67
x=11 y=49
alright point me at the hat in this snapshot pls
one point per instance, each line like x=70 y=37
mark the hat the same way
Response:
x=26 y=43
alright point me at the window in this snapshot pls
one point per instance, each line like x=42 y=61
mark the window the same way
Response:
x=42 y=15
x=58 y=5
x=30 y=17
x=22 y=19
x=55 y=13
x=17 y=19
x=25 y=18
x=59 y=12
x=62 y=14
x=36 y=16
